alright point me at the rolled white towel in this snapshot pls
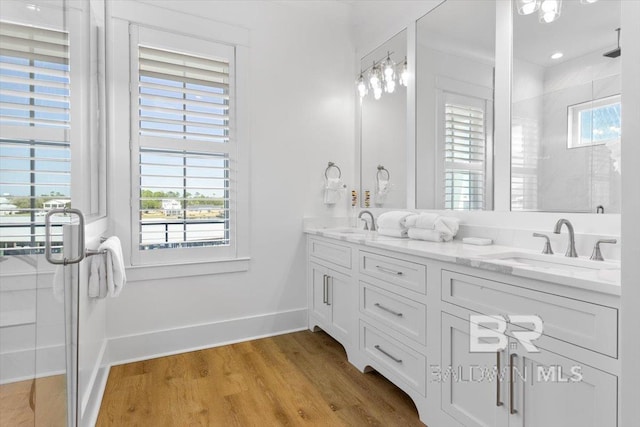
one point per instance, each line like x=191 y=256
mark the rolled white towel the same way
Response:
x=447 y=225
x=393 y=232
x=424 y=220
x=430 y=235
x=394 y=220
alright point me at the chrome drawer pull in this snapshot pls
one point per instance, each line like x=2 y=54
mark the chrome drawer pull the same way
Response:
x=388 y=310
x=388 y=270
x=512 y=409
x=395 y=359
x=498 y=401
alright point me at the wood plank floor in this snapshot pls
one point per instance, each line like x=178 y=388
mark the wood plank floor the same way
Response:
x=38 y=402
x=297 y=379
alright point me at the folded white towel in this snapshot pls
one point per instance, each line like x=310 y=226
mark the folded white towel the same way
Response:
x=447 y=225
x=98 y=277
x=393 y=232
x=394 y=220
x=430 y=235
x=424 y=220
x=115 y=270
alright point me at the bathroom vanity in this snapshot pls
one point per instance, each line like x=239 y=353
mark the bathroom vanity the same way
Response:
x=408 y=308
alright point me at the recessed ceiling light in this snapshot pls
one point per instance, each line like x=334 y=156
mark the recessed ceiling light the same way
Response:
x=557 y=55
x=33 y=7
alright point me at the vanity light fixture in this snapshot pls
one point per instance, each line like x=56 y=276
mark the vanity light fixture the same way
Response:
x=549 y=11
x=383 y=75
x=527 y=7
x=557 y=55
x=588 y=1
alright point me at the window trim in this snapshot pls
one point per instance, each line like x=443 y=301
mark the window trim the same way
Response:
x=120 y=167
x=143 y=36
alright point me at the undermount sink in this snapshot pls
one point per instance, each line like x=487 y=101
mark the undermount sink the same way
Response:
x=347 y=230
x=555 y=262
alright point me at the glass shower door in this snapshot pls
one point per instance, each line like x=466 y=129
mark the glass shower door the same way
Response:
x=49 y=100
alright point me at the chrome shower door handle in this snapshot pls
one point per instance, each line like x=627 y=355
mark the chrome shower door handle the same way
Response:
x=47 y=237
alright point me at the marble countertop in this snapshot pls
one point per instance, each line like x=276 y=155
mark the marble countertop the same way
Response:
x=606 y=280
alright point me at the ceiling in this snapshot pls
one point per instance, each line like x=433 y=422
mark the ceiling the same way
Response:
x=468 y=27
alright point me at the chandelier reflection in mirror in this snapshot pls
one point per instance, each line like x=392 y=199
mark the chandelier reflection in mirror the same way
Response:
x=382 y=76
x=548 y=10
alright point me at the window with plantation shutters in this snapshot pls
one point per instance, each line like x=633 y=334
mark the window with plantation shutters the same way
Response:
x=465 y=149
x=34 y=133
x=184 y=147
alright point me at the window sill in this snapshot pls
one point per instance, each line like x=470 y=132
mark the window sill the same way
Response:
x=187 y=269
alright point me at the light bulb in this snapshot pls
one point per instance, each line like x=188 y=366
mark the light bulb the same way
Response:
x=557 y=55
x=377 y=93
x=390 y=86
x=527 y=7
x=549 y=10
x=404 y=74
x=362 y=87
x=374 y=76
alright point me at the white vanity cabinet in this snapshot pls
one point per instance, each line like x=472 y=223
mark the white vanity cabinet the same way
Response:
x=332 y=292
x=407 y=315
x=332 y=301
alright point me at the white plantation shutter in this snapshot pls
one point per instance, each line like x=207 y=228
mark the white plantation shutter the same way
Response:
x=34 y=132
x=464 y=156
x=185 y=148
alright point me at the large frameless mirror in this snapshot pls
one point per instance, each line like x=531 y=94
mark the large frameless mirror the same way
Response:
x=565 y=127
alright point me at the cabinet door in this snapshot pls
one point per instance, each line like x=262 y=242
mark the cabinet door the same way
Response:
x=342 y=304
x=471 y=391
x=554 y=391
x=319 y=294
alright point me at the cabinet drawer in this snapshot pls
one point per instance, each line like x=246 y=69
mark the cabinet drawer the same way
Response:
x=407 y=274
x=393 y=358
x=588 y=325
x=395 y=311
x=332 y=252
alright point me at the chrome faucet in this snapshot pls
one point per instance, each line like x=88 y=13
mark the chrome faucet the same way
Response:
x=571 y=249
x=373 y=220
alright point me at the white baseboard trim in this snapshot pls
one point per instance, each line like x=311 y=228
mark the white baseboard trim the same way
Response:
x=133 y=348
x=22 y=365
x=90 y=415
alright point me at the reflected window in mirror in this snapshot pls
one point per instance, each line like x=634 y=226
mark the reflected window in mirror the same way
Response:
x=565 y=114
x=454 y=101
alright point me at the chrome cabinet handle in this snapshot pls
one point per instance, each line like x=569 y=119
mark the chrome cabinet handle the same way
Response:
x=498 y=401
x=388 y=310
x=512 y=409
x=324 y=288
x=47 y=237
x=329 y=289
x=390 y=356
x=390 y=271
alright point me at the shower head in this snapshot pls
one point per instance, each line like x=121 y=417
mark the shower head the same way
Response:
x=615 y=52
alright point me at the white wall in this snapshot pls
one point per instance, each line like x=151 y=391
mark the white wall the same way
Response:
x=301 y=99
